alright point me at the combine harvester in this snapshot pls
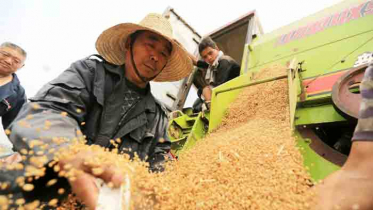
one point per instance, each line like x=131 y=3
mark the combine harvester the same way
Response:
x=326 y=55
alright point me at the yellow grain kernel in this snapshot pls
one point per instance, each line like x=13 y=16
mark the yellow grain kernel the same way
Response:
x=20 y=201
x=33 y=205
x=97 y=171
x=18 y=166
x=28 y=187
x=161 y=140
x=40 y=152
x=72 y=178
x=20 y=179
x=35 y=106
x=61 y=191
x=52 y=150
x=4 y=201
x=4 y=185
x=57 y=168
x=51 y=182
x=67 y=166
x=61 y=173
x=53 y=202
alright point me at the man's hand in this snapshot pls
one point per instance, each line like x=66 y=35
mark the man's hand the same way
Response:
x=345 y=190
x=207 y=92
x=84 y=182
x=14 y=158
x=206 y=106
x=352 y=186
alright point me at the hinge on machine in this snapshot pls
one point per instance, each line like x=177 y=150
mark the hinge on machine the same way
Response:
x=300 y=67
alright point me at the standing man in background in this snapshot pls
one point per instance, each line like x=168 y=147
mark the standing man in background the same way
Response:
x=12 y=94
x=214 y=70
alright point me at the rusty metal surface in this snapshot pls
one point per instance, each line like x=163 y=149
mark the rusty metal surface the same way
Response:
x=346 y=102
x=322 y=148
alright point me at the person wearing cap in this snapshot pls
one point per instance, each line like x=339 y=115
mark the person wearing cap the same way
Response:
x=107 y=97
x=214 y=69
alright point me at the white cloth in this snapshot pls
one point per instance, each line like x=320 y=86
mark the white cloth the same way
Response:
x=211 y=70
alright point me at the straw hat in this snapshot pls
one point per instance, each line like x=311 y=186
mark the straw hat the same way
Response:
x=111 y=45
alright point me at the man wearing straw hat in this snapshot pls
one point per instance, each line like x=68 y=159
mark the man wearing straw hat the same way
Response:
x=107 y=98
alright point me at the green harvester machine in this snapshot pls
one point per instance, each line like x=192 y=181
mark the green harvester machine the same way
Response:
x=326 y=55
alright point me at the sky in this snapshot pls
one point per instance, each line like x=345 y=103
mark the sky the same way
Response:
x=56 y=33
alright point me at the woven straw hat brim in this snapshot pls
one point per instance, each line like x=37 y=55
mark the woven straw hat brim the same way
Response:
x=111 y=45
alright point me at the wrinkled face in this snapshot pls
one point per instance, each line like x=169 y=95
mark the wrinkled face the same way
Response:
x=10 y=61
x=151 y=53
x=209 y=55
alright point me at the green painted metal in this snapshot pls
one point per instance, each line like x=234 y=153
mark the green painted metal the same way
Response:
x=317 y=115
x=331 y=42
x=316 y=165
x=186 y=130
x=327 y=50
x=198 y=131
x=331 y=49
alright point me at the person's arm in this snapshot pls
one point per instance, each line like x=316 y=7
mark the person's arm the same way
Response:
x=235 y=71
x=51 y=121
x=352 y=186
x=202 y=64
x=229 y=70
x=207 y=93
x=53 y=118
x=56 y=111
x=199 y=82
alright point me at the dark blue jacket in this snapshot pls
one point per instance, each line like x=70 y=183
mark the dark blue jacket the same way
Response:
x=12 y=97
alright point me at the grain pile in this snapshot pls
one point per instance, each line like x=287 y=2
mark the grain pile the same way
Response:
x=249 y=162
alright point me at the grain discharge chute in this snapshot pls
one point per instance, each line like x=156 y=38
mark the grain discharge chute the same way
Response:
x=325 y=55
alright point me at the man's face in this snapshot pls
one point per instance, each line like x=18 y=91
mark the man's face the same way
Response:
x=209 y=55
x=10 y=61
x=151 y=53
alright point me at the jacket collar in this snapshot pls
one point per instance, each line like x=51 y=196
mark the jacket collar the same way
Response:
x=147 y=102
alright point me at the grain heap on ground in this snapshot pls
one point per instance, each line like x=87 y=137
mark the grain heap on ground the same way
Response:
x=249 y=162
